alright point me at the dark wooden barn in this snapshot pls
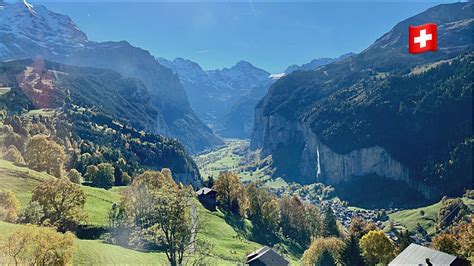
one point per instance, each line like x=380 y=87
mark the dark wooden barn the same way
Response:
x=208 y=198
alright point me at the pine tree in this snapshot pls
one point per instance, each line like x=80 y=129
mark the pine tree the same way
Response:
x=329 y=226
x=404 y=241
x=350 y=253
x=325 y=259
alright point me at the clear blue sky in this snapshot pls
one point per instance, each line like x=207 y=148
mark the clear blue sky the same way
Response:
x=269 y=35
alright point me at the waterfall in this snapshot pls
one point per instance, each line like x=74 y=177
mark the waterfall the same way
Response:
x=318 y=166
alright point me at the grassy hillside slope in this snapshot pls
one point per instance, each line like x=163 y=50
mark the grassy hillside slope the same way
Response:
x=229 y=246
x=408 y=219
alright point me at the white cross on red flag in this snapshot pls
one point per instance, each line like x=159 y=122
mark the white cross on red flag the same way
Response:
x=422 y=38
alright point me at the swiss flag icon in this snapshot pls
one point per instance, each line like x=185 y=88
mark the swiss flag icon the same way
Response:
x=422 y=38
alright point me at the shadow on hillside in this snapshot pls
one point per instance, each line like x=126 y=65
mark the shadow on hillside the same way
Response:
x=376 y=192
x=263 y=236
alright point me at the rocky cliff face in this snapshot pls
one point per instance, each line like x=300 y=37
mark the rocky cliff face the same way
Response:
x=320 y=163
x=376 y=114
x=300 y=156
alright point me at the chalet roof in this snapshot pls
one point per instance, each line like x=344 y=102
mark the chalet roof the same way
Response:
x=416 y=255
x=268 y=256
x=204 y=191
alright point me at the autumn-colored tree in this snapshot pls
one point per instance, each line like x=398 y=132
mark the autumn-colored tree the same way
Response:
x=126 y=179
x=271 y=213
x=62 y=203
x=465 y=235
x=91 y=172
x=377 y=248
x=13 y=155
x=9 y=206
x=45 y=155
x=318 y=247
x=161 y=211
x=34 y=245
x=359 y=226
x=229 y=191
x=261 y=207
x=16 y=140
x=457 y=240
x=313 y=221
x=447 y=243
x=74 y=176
x=104 y=178
x=292 y=213
x=155 y=179
x=452 y=211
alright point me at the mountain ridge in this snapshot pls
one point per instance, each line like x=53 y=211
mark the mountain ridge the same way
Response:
x=214 y=93
x=55 y=37
x=339 y=108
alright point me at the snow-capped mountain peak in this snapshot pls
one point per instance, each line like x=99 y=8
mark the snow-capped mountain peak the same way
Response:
x=29 y=7
x=30 y=31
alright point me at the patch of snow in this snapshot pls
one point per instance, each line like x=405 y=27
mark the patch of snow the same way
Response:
x=277 y=76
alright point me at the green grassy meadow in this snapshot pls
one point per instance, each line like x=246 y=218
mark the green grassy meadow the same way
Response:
x=233 y=158
x=408 y=219
x=229 y=246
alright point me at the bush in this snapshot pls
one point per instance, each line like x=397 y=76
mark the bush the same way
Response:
x=14 y=139
x=104 y=178
x=14 y=155
x=126 y=179
x=9 y=206
x=32 y=214
x=91 y=172
x=74 y=176
x=34 y=245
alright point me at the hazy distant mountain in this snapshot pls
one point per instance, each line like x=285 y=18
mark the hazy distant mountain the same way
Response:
x=214 y=93
x=226 y=98
x=238 y=122
x=29 y=32
x=315 y=63
x=403 y=120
